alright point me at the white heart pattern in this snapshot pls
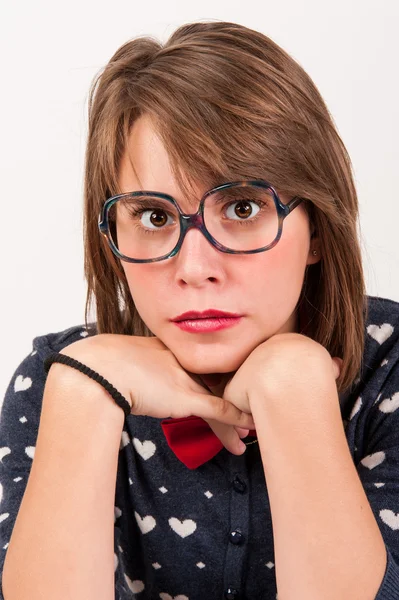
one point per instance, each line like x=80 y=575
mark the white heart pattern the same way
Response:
x=390 y=518
x=30 y=451
x=165 y=596
x=356 y=408
x=380 y=332
x=183 y=528
x=373 y=460
x=4 y=451
x=146 y=524
x=145 y=449
x=135 y=586
x=125 y=440
x=22 y=383
x=389 y=405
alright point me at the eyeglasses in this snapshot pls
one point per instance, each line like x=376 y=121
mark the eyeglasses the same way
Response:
x=240 y=217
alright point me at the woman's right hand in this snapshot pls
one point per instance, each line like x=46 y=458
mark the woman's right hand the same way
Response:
x=155 y=384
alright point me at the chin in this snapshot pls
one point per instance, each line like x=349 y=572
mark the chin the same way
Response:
x=212 y=353
x=208 y=361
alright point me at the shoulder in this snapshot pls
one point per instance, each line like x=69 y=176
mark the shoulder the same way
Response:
x=55 y=341
x=381 y=328
x=381 y=347
x=25 y=388
x=379 y=373
x=22 y=403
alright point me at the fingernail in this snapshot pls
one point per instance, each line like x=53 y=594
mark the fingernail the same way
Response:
x=242 y=447
x=243 y=433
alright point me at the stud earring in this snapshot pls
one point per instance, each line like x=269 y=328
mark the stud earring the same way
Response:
x=314 y=252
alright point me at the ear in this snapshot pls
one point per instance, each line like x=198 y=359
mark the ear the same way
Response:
x=314 y=246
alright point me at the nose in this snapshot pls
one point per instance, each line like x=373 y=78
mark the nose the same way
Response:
x=197 y=260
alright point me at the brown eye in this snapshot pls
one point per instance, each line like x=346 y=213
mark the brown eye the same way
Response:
x=242 y=209
x=158 y=218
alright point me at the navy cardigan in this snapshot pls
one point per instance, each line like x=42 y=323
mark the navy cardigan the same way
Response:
x=207 y=533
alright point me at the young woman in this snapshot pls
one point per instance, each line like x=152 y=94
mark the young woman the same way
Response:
x=222 y=253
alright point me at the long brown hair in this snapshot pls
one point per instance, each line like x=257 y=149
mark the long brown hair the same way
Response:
x=229 y=104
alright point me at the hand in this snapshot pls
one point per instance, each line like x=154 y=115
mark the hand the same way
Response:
x=151 y=379
x=283 y=362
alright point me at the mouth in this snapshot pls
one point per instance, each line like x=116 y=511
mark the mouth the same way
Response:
x=207 y=325
x=210 y=313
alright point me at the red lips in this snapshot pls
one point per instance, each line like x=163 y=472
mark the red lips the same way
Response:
x=210 y=313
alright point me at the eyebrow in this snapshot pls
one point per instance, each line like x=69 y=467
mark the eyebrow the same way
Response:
x=191 y=200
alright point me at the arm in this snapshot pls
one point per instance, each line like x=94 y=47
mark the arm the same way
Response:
x=61 y=546
x=327 y=542
x=335 y=524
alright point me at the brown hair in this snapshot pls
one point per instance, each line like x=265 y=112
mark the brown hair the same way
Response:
x=229 y=103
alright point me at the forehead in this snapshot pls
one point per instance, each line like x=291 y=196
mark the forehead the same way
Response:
x=145 y=165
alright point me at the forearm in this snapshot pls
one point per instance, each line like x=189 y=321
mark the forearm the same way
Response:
x=326 y=540
x=62 y=542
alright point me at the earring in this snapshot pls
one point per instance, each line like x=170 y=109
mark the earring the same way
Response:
x=314 y=252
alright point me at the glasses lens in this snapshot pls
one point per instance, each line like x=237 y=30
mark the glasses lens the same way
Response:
x=144 y=227
x=239 y=218
x=242 y=217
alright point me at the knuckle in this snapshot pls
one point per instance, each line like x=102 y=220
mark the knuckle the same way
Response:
x=224 y=407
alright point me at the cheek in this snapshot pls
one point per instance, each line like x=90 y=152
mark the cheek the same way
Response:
x=290 y=260
x=275 y=279
x=145 y=288
x=283 y=265
x=293 y=248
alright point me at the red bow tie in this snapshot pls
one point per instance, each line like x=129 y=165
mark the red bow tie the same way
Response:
x=192 y=440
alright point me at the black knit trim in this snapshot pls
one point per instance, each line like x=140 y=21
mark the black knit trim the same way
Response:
x=68 y=360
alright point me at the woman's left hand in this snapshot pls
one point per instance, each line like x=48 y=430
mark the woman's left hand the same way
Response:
x=278 y=368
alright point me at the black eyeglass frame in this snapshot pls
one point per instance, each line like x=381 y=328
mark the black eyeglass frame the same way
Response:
x=187 y=221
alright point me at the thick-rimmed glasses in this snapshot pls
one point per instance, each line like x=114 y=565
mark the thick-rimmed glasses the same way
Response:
x=239 y=217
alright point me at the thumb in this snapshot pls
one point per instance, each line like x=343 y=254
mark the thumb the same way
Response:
x=228 y=435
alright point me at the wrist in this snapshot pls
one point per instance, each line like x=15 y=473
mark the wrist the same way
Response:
x=73 y=391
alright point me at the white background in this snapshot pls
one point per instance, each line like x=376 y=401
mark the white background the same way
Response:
x=50 y=53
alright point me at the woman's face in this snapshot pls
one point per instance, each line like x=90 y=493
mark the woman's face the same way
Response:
x=264 y=288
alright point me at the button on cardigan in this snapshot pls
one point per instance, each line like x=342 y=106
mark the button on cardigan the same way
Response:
x=207 y=533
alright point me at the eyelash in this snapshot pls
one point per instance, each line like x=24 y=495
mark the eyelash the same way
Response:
x=146 y=205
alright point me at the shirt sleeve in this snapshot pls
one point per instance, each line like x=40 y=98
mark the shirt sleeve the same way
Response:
x=19 y=424
x=378 y=470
